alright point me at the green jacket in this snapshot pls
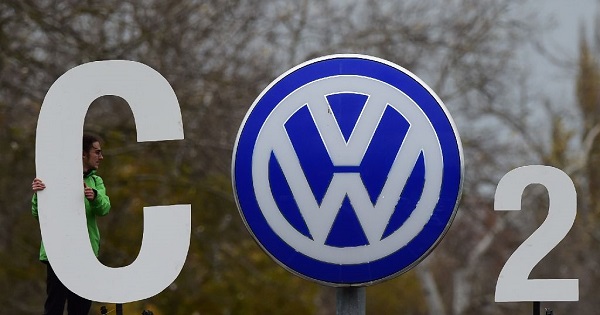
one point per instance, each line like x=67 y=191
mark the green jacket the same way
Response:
x=100 y=206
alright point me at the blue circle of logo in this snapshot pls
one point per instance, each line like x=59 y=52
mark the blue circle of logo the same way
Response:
x=347 y=170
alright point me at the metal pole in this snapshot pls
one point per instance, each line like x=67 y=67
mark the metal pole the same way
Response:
x=351 y=301
x=536 y=308
x=119 y=309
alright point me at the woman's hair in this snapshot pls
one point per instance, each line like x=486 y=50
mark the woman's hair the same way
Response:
x=88 y=141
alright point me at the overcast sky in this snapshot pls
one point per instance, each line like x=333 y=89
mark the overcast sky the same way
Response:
x=562 y=39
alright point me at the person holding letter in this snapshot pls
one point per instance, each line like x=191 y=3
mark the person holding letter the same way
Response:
x=97 y=203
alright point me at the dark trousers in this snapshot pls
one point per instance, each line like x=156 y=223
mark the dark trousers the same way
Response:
x=58 y=294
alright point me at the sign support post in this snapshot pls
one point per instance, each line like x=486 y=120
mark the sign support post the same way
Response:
x=536 y=308
x=351 y=301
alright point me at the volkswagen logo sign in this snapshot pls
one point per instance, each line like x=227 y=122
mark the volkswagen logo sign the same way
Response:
x=347 y=170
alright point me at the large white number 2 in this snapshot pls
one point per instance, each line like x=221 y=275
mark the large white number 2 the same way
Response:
x=513 y=283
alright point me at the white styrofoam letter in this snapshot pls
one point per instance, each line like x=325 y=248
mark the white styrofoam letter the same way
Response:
x=166 y=237
x=513 y=282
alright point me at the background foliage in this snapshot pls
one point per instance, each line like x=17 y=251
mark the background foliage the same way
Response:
x=218 y=56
